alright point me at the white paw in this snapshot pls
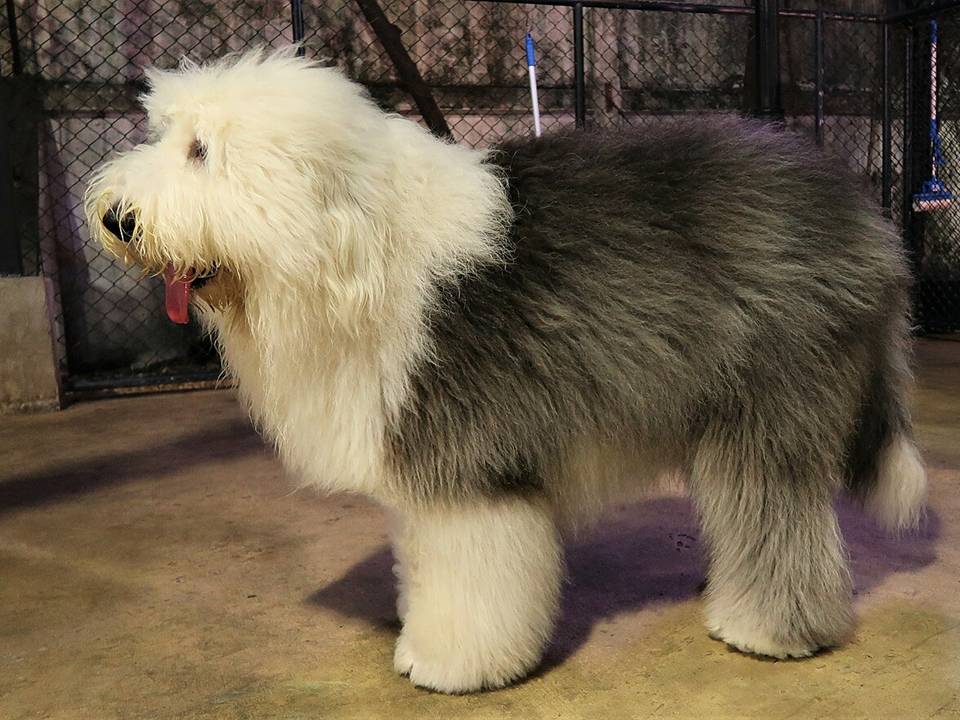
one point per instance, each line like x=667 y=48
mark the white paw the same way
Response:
x=455 y=674
x=431 y=675
x=756 y=642
x=402 y=657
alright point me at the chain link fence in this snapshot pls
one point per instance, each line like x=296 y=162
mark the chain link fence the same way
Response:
x=75 y=67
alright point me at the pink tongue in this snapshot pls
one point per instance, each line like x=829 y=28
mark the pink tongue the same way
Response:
x=178 y=295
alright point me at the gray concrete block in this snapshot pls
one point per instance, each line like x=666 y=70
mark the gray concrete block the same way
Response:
x=29 y=380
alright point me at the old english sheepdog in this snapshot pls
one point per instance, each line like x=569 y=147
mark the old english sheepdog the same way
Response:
x=494 y=344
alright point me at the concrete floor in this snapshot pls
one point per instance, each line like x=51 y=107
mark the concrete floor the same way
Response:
x=154 y=564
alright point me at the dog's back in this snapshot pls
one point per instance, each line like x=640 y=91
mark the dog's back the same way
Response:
x=661 y=285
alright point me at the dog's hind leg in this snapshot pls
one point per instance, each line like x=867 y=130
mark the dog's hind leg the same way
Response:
x=778 y=582
x=479 y=590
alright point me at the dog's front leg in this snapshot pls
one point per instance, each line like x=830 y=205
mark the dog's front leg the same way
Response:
x=479 y=588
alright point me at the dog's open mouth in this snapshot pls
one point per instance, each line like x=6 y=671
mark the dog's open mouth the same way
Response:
x=178 y=291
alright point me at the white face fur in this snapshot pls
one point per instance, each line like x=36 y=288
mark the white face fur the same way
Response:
x=288 y=176
x=250 y=165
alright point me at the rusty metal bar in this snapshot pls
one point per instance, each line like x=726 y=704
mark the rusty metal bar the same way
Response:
x=407 y=72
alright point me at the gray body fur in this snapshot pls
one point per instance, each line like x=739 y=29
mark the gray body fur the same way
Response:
x=718 y=296
x=680 y=287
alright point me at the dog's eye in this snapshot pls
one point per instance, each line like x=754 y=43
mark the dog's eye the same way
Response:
x=198 y=151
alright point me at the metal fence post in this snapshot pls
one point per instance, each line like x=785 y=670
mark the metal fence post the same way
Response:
x=767 y=59
x=296 y=19
x=579 y=98
x=11 y=262
x=15 y=186
x=20 y=123
x=818 y=79
x=886 y=170
x=15 y=58
x=907 y=132
x=917 y=161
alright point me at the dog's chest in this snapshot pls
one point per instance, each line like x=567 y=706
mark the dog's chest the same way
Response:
x=323 y=411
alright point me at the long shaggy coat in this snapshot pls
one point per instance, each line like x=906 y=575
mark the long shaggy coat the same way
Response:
x=495 y=344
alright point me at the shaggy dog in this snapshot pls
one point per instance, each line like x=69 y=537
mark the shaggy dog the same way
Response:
x=494 y=344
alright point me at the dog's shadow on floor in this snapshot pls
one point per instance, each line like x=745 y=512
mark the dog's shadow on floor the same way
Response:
x=639 y=555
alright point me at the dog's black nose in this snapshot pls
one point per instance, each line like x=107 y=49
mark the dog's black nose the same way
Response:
x=123 y=226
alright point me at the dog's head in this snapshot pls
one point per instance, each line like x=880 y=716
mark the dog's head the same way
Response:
x=253 y=167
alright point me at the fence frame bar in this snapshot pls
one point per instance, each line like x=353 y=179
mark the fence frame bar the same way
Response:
x=16 y=60
x=767 y=60
x=296 y=25
x=579 y=90
x=886 y=171
x=818 y=79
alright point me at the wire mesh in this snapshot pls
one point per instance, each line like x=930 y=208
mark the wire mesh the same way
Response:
x=640 y=67
x=470 y=53
x=648 y=67
x=846 y=83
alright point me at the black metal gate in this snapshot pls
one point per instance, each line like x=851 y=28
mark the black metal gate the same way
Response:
x=70 y=73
